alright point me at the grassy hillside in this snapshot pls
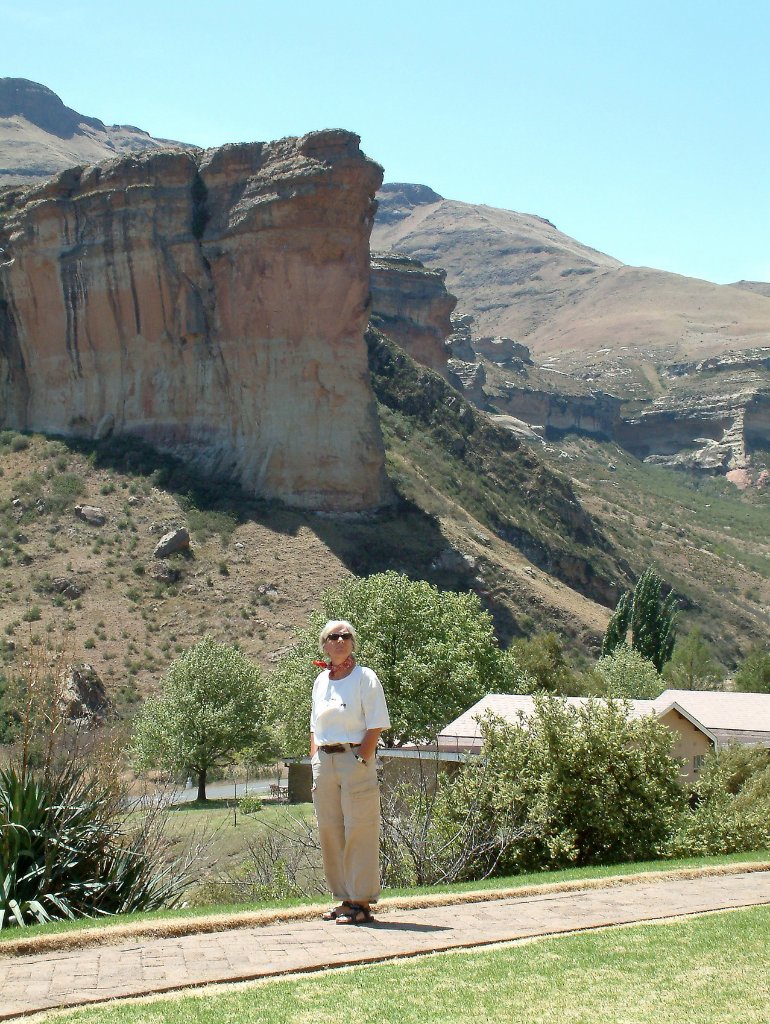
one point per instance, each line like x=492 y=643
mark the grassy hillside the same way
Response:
x=254 y=571
x=709 y=540
x=547 y=536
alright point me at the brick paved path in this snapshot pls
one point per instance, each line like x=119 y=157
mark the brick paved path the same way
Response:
x=73 y=977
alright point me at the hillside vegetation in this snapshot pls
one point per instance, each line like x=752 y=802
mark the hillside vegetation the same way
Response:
x=256 y=570
x=476 y=509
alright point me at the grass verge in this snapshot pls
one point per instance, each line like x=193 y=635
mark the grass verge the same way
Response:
x=72 y=934
x=704 y=970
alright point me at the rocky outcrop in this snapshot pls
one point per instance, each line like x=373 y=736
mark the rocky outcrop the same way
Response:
x=212 y=303
x=83 y=697
x=556 y=414
x=752 y=359
x=399 y=199
x=412 y=306
x=709 y=433
x=504 y=351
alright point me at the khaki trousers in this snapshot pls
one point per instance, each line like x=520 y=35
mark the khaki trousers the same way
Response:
x=346 y=797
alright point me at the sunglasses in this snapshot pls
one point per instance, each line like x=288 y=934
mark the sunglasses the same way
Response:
x=340 y=636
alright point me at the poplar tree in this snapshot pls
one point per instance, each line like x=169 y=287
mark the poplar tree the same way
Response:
x=650 y=617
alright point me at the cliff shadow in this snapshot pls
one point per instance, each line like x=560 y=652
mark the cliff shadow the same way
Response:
x=401 y=536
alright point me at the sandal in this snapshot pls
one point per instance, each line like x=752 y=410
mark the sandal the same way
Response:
x=355 y=914
x=335 y=912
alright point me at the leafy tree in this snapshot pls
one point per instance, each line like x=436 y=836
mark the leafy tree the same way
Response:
x=625 y=673
x=212 y=706
x=731 y=812
x=754 y=674
x=692 y=665
x=434 y=651
x=651 y=618
x=617 y=627
x=583 y=785
x=542 y=658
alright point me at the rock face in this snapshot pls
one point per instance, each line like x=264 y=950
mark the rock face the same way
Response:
x=710 y=432
x=411 y=304
x=213 y=303
x=83 y=695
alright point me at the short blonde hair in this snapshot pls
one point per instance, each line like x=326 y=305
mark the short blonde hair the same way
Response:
x=331 y=627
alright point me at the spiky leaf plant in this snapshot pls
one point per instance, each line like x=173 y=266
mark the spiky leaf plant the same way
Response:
x=63 y=853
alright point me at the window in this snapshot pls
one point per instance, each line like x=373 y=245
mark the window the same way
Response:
x=697 y=762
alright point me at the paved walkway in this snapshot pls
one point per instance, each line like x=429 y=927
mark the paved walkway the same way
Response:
x=72 y=977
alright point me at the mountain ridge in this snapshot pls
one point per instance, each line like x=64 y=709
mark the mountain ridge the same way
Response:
x=522 y=278
x=40 y=135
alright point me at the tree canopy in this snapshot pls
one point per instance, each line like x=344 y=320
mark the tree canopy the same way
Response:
x=542 y=658
x=434 y=652
x=625 y=673
x=692 y=665
x=211 y=707
x=649 y=616
x=753 y=676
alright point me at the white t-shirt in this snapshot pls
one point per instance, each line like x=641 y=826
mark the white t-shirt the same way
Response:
x=343 y=709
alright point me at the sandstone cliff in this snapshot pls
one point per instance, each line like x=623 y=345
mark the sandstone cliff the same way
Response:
x=213 y=303
x=411 y=304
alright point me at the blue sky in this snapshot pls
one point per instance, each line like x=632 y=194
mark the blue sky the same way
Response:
x=640 y=128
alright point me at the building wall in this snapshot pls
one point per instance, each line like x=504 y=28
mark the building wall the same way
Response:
x=689 y=743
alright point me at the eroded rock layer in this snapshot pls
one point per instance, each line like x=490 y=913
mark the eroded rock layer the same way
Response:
x=213 y=303
x=412 y=306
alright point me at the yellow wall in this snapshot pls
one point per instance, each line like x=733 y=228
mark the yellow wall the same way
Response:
x=689 y=742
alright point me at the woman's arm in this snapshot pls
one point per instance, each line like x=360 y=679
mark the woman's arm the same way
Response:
x=369 y=744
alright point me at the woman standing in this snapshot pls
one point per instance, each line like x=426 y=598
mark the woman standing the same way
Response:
x=347 y=717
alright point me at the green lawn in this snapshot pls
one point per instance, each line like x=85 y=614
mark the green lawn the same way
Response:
x=511 y=882
x=707 y=970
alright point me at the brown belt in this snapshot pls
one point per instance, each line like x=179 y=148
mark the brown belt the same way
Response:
x=337 y=748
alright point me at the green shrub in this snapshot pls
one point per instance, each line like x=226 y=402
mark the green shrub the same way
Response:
x=587 y=785
x=68 y=486
x=249 y=804
x=63 y=853
x=732 y=805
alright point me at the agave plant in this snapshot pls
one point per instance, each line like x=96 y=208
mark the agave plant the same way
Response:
x=63 y=853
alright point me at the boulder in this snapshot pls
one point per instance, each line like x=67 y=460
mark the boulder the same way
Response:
x=83 y=695
x=91 y=514
x=170 y=543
